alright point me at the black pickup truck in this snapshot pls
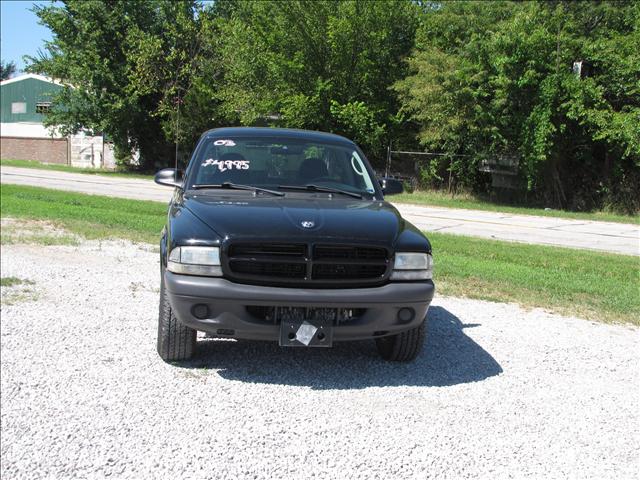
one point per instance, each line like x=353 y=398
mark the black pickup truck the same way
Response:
x=284 y=235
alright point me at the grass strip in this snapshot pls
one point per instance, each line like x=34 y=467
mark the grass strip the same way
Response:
x=92 y=216
x=13 y=281
x=594 y=285
x=469 y=202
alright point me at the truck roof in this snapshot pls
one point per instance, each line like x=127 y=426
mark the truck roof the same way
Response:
x=277 y=132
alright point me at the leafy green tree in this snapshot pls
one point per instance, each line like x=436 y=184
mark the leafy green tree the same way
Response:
x=323 y=65
x=7 y=70
x=127 y=66
x=491 y=78
x=554 y=84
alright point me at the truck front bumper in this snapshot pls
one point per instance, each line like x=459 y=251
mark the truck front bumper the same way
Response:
x=227 y=306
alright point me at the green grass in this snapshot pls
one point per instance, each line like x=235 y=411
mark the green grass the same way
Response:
x=469 y=202
x=91 y=216
x=68 y=168
x=13 y=281
x=594 y=285
x=17 y=290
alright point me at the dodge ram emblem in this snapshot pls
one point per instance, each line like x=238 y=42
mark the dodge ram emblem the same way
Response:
x=308 y=224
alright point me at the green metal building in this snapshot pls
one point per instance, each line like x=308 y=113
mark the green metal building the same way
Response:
x=24 y=102
x=25 y=99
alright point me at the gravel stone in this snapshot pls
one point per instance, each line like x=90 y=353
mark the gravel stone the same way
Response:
x=498 y=392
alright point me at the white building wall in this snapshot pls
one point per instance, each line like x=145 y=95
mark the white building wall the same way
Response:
x=27 y=130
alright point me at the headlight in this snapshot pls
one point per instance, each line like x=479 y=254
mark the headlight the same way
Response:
x=412 y=266
x=195 y=261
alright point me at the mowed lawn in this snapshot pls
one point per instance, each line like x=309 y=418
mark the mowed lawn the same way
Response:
x=92 y=216
x=593 y=285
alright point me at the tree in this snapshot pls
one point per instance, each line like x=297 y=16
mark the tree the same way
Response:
x=472 y=80
x=490 y=78
x=127 y=66
x=322 y=65
x=7 y=70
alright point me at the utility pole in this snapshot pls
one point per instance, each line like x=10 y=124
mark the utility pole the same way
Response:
x=388 y=167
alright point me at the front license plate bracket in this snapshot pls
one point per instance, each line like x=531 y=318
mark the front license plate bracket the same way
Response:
x=306 y=333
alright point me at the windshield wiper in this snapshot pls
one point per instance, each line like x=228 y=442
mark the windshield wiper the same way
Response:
x=319 y=188
x=237 y=186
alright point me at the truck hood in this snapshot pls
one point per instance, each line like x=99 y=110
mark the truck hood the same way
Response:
x=307 y=217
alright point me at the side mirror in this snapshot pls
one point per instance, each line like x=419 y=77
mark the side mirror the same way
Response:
x=167 y=177
x=391 y=186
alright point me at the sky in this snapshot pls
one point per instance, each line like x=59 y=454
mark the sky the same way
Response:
x=20 y=33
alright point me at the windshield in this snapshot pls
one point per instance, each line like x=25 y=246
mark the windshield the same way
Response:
x=280 y=162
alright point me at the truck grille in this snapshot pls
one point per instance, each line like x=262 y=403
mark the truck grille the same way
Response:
x=336 y=272
x=321 y=252
x=270 y=269
x=275 y=249
x=308 y=264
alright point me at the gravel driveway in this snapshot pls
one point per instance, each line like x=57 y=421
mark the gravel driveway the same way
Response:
x=499 y=392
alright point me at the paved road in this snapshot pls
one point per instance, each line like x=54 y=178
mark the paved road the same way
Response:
x=603 y=236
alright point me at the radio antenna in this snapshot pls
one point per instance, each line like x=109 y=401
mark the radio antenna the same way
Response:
x=178 y=101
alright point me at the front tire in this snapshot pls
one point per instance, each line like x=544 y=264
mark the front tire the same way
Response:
x=175 y=340
x=403 y=347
